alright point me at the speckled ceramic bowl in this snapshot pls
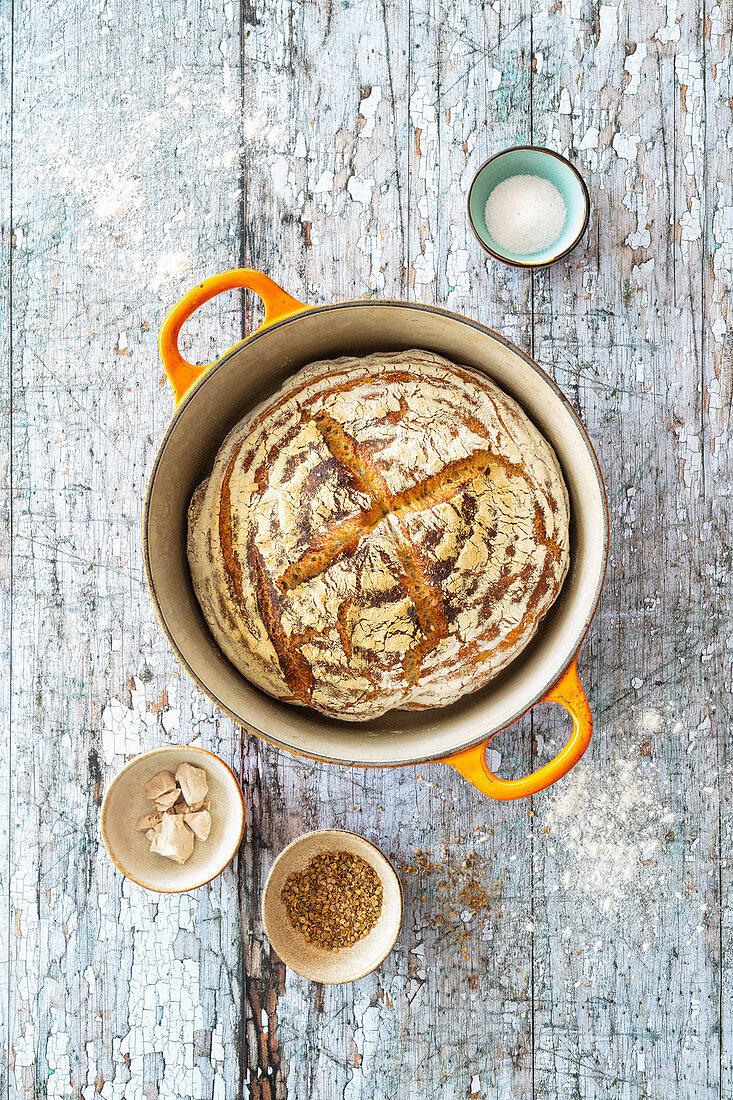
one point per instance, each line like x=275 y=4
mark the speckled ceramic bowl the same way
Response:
x=348 y=963
x=126 y=801
x=530 y=160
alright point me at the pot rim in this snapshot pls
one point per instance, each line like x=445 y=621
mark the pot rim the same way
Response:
x=568 y=657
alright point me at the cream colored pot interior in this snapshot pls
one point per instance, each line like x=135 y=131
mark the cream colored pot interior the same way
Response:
x=256 y=369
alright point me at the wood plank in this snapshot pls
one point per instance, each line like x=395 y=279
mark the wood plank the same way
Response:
x=322 y=210
x=6 y=44
x=135 y=127
x=428 y=1016
x=717 y=380
x=468 y=99
x=628 y=995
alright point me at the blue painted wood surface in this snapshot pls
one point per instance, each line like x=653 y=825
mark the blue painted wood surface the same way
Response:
x=332 y=145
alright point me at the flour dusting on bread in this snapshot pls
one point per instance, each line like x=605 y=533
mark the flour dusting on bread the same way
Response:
x=385 y=532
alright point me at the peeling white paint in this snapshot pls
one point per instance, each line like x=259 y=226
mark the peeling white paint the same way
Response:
x=125 y=729
x=360 y=190
x=636 y=202
x=424 y=119
x=640 y=273
x=688 y=70
x=625 y=145
x=459 y=283
x=493 y=79
x=493 y=759
x=368 y=110
x=633 y=65
x=371 y=246
x=690 y=221
x=324 y=184
x=590 y=138
x=670 y=32
x=300 y=149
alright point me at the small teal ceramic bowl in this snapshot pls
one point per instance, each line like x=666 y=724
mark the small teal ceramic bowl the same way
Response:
x=530 y=160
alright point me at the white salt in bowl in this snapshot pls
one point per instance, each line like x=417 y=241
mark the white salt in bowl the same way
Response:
x=530 y=160
x=348 y=963
x=126 y=801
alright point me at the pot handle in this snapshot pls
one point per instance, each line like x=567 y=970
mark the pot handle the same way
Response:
x=278 y=304
x=471 y=763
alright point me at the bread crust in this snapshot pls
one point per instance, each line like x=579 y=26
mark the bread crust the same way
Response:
x=385 y=532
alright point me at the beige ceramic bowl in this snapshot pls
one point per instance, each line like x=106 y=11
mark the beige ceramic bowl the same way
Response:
x=126 y=801
x=348 y=963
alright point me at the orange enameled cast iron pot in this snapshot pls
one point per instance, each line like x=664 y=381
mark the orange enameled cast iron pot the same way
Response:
x=210 y=400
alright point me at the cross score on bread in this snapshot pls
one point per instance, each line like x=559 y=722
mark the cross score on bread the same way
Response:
x=343 y=536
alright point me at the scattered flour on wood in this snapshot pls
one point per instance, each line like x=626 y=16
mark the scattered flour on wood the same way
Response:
x=610 y=824
x=116 y=197
x=171 y=265
x=114 y=177
x=652 y=720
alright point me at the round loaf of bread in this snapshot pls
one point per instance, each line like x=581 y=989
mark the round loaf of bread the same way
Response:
x=384 y=532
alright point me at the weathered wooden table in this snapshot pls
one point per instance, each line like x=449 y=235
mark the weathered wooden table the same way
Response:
x=575 y=948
